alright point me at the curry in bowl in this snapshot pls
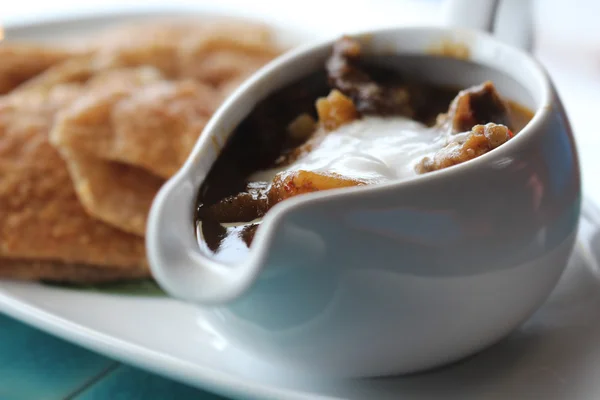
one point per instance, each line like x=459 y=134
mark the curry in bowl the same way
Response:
x=352 y=123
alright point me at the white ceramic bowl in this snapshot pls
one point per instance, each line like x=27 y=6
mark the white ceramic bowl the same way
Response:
x=398 y=277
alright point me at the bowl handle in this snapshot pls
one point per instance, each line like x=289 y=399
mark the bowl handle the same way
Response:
x=509 y=20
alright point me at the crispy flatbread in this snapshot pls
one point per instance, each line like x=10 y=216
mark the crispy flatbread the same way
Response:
x=120 y=143
x=132 y=45
x=83 y=69
x=152 y=126
x=22 y=61
x=42 y=219
x=118 y=194
x=67 y=273
x=76 y=69
x=133 y=102
x=221 y=54
x=226 y=52
x=187 y=47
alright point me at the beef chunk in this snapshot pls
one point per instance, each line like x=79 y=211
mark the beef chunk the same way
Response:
x=466 y=146
x=473 y=106
x=346 y=75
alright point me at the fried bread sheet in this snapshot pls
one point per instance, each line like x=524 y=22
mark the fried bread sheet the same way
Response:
x=42 y=219
x=89 y=133
x=22 y=61
x=121 y=143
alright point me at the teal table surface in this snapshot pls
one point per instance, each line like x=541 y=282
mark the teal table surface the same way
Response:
x=38 y=366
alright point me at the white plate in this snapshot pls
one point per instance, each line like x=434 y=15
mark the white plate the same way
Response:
x=555 y=355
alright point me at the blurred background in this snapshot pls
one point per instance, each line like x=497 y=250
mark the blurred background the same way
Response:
x=567 y=39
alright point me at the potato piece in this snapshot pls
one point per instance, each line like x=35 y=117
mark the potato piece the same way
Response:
x=335 y=110
x=259 y=198
x=289 y=184
x=302 y=127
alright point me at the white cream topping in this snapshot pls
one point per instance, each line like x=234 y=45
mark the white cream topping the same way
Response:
x=379 y=149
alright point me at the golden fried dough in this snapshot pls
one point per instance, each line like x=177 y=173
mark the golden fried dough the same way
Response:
x=220 y=54
x=84 y=70
x=157 y=126
x=76 y=70
x=188 y=47
x=119 y=140
x=66 y=273
x=290 y=184
x=118 y=194
x=22 y=61
x=42 y=218
x=132 y=45
x=152 y=126
x=225 y=53
x=88 y=135
x=107 y=81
